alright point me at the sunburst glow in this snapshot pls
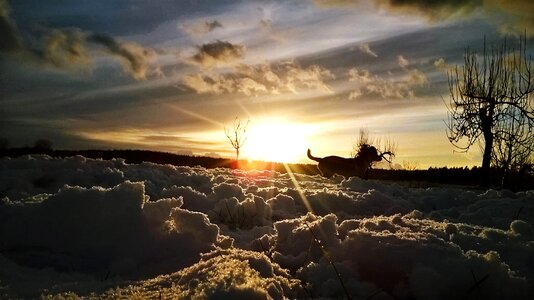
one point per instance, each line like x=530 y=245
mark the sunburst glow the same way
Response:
x=277 y=140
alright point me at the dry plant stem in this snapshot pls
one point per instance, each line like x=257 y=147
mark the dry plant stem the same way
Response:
x=327 y=255
x=477 y=282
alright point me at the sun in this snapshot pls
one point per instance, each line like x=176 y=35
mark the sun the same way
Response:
x=277 y=140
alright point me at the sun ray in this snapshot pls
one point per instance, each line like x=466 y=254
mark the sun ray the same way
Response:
x=195 y=115
x=299 y=189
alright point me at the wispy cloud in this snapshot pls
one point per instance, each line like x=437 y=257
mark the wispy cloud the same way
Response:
x=218 y=52
x=249 y=80
x=365 y=48
x=201 y=28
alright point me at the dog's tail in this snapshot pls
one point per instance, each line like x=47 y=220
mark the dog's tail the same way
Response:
x=310 y=156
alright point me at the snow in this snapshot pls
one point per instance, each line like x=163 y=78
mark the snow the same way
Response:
x=77 y=227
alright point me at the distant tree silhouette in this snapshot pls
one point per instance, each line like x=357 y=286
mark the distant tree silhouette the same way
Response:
x=489 y=103
x=237 y=135
x=43 y=144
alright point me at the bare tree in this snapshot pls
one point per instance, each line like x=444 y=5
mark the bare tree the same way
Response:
x=237 y=135
x=489 y=103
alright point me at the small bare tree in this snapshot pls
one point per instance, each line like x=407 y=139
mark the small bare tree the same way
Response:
x=490 y=103
x=237 y=135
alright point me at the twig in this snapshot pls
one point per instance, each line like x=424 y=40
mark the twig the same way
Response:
x=518 y=212
x=229 y=213
x=477 y=283
x=107 y=276
x=377 y=292
x=327 y=255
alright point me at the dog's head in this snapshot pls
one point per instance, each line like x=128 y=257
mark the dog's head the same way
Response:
x=369 y=154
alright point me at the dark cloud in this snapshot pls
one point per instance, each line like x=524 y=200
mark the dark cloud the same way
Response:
x=57 y=47
x=119 y=17
x=512 y=16
x=136 y=58
x=218 y=52
x=435 y=10
x=212 y=25
x=67 y=47
x=63 y=48
x=10 y=40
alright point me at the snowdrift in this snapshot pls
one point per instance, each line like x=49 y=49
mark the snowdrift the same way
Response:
x=83 y=227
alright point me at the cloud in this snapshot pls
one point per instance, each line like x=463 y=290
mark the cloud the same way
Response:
x=365 y=48
x=201 y=28
x=403 y=62
x=514 y=16
x=266 y=24
x=511 y=16
x=415 y=78
x=434 y=10
x=66 y=48
x=135 y=58
x=372 y=85
x=268 y=78
x=10 y=37
x=441 y=65
x=209 y=84
x=276 y=34
x=212 y=25
x=218 y=52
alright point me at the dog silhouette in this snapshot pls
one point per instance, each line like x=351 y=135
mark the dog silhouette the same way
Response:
x=347 y=167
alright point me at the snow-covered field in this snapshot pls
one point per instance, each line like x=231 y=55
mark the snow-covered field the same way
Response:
x=84 y=227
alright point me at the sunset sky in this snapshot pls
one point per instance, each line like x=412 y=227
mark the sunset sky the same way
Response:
x=169 y=75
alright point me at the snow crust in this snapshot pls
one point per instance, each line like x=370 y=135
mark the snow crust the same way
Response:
x=76 y=227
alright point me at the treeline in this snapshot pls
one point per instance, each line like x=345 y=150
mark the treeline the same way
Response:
x=515 y=181
x=140 y=156
x=522 y=180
